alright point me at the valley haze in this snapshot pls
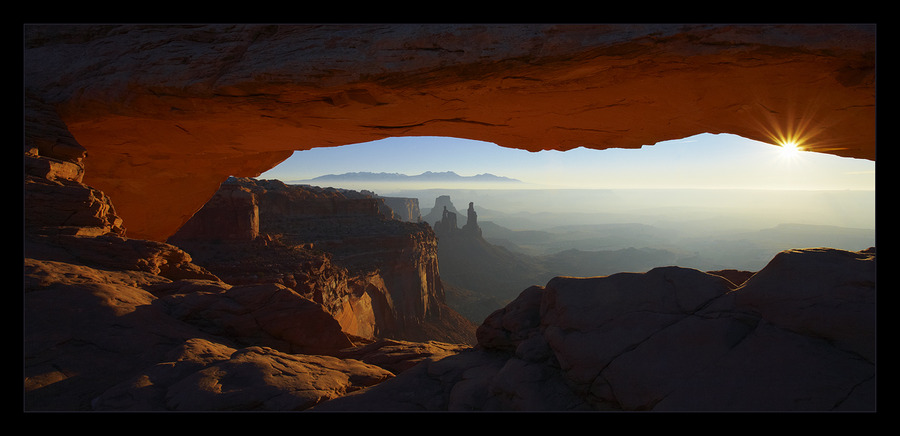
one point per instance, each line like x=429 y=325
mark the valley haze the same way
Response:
x=710 y=195
x=709 y=228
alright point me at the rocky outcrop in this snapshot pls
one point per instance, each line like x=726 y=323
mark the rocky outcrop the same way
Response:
x=447 y=225
x=798 y=336
x=736 y=277
x=482 y=276
x=230 y=215
x=205 y=376
x=405 y=209
x=112 y=323
x=436 y=213
x=377 y=277
x=168 y=112
x=471 y=225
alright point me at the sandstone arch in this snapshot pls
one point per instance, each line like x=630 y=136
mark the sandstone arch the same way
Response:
x=160 y=115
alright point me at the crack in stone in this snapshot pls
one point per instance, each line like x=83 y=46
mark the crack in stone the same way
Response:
x=438 y=120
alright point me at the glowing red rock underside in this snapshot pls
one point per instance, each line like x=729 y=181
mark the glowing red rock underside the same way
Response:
x=166 y=114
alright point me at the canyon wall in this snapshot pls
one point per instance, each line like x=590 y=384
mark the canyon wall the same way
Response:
x=113 y=323
x=406 y=209
x=163 y=114
x=377 y=276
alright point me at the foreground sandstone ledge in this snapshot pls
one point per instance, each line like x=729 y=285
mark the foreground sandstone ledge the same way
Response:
x=116 y=333
x=797 y=336
x=164 y=114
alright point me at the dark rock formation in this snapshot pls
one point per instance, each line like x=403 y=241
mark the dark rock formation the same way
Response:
x=798 y=336
x=482 y=276
x=436 y=213
x=736 y=277
x=447 y=225
x=471 y=225
x=230 y=215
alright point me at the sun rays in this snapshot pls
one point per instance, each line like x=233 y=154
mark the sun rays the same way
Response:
x=790 y=149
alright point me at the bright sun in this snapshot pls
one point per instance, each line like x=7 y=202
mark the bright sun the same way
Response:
x=790 y=148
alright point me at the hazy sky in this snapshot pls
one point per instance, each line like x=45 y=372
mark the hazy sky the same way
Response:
x=701 y=161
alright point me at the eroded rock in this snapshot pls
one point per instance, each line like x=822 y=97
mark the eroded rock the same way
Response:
x=377 y=276
x=671 y=339
x=113 y=323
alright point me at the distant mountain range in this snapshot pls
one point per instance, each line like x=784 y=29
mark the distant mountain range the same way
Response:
x=428 y=176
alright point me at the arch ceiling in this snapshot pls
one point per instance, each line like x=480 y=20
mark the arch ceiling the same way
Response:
x=161 y=115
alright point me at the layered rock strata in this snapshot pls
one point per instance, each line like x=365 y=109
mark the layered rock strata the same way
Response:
x=112 y=323
x=405 y=209
x=378 y=277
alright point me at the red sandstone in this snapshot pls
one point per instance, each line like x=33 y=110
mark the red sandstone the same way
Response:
x=167 y=113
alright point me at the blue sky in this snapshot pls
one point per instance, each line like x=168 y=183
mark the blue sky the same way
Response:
x=701 y=161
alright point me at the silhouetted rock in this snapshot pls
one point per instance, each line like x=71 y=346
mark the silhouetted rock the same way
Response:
x=798 y=336
x=737 y=277
x=472 y=220
x=436 y=213
x=485 y=276
x=447 y=225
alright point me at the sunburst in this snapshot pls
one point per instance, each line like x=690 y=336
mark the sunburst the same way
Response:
x=790 y=148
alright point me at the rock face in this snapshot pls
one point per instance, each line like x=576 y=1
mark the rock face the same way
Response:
x=230 y=215
x=797 y=336
x=405 y=209
x=169 y=112
x=436 y=213
x=378 y=277
x=113 y=323
x=471 y=220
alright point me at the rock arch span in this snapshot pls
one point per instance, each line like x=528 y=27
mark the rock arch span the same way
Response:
x=159 y=116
